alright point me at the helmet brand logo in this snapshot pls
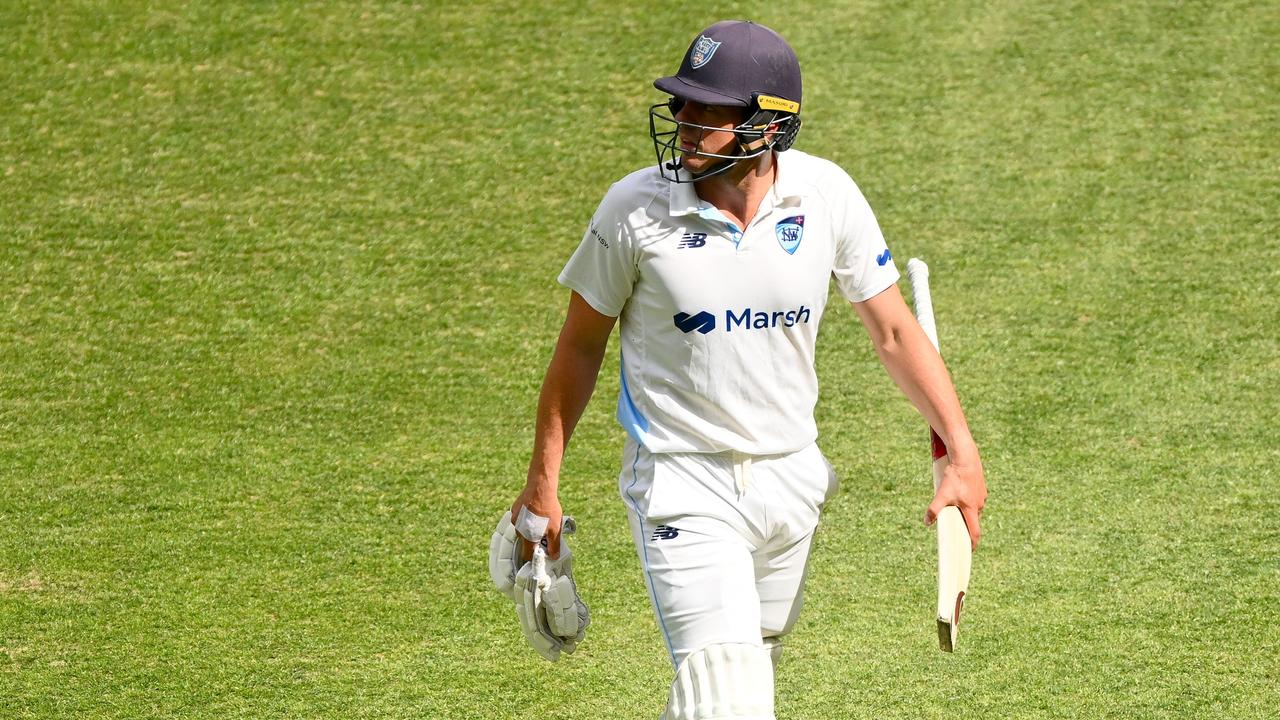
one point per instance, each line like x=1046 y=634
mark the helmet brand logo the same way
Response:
x=769 y=102
x=790 y=231
x=702 y=51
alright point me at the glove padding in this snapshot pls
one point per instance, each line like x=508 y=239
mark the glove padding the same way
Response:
x=504 y=557
x=554 y=619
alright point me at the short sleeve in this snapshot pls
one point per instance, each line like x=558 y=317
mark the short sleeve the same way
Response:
x=863 y=266
x=603 y=269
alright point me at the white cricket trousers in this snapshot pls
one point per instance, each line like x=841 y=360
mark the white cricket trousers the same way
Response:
x=724 y=540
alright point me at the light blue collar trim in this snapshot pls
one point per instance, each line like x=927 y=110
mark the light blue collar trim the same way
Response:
x=712 y=213
x=685 y=201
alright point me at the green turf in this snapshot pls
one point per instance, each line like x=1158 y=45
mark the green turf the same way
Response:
x=278 y=292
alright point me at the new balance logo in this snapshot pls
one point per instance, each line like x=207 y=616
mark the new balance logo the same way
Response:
x=692 y=240
x=883 y=258
x=664 y=532
x=704 y=322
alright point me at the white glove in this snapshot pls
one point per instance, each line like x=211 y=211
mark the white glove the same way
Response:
x=554 y=619
x=504 y=553
x=504 y=557
x=566 y=614
x=548 y=609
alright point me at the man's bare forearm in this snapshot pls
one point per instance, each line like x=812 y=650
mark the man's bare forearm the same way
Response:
x=570 y=381
x=919 y=372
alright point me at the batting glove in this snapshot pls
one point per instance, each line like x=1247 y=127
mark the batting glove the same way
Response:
x=552 y=615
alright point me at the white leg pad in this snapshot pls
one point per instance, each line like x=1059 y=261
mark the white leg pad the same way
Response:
x=774 y=646
x=731 y=681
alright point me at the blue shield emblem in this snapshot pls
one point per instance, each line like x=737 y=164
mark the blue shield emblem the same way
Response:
x=702 y=52
x=790 y=231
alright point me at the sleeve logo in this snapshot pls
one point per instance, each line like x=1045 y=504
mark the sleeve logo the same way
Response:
x=599 y=236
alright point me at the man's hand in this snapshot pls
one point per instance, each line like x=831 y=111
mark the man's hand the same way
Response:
x=540 y=504
x=915 y=365
x=965 y=487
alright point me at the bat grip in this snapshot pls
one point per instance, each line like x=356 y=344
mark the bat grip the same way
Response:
x=918 y=275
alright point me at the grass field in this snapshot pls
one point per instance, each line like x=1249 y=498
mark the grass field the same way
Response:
x=278 y=292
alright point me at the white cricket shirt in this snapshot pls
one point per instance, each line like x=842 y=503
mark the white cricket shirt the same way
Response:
x=718 y=323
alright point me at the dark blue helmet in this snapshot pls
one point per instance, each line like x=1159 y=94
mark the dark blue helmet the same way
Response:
x=736 y=64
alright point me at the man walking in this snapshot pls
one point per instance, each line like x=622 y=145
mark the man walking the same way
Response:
x=716 y=262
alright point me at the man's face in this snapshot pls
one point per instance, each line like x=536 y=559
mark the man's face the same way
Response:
x=720 y=141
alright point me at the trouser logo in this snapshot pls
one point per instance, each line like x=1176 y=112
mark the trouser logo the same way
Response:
x=665 y=532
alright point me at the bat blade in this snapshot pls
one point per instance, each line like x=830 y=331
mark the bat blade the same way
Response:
x=955 y=552
x=954 y=560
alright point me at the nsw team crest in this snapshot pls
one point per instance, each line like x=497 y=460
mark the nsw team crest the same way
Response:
x=702 y=52
x=790 y=231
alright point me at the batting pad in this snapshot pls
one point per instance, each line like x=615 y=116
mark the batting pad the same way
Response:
x=731 y=681
x=773 y=645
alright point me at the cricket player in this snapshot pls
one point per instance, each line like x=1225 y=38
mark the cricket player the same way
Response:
x=716 y=264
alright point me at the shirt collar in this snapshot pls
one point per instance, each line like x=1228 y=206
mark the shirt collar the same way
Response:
x=684 y=200
x=787 y=189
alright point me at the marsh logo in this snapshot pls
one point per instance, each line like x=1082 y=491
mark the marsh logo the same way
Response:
x=761 y=320
x=746 y=319
x=702 y=52
x=704 y=322
x=790 y=232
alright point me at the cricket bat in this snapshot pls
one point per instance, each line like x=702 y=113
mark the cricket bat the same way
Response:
x=955 y=553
